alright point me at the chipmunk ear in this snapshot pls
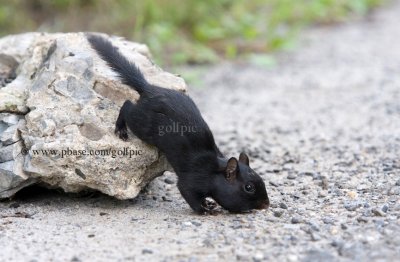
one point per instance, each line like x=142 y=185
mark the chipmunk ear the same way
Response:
x=243 y=158
x=231 y=169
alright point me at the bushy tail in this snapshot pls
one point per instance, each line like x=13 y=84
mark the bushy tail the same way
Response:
x=127 y=71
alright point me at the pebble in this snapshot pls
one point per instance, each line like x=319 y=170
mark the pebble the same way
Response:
x=314 y=226
x=328 y=220
x=296 y=220
x=352 y=194
x=147 y=251
x=278 y=213
x=196 y=223
x=292 y=258
x=323 y=193
x=362 y=219
x=75 y=259
x=315 y=236
x=337 y=243
x=272 y=183
x=292 y=176
x=385 y=208
x=378 y=212
x=169 y=181
x=352 y=206
x=283 y=205
x=258 y=256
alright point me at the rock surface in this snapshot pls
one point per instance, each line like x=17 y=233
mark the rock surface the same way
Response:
x=58 y=105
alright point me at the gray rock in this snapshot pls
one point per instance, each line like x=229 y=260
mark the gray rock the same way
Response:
x=385 y=208
x=61 y=108
x=352 y=205
x=296 y=220
x=378 y=212
x=278 y=213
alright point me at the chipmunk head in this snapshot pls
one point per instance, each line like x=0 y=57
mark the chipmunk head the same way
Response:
x=237 y=187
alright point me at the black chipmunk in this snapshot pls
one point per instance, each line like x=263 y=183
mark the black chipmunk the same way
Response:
x=201 y=168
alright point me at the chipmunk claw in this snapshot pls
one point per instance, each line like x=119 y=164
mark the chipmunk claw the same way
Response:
x=122 y=133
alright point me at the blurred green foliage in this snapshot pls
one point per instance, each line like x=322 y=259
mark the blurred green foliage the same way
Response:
x=184 y=31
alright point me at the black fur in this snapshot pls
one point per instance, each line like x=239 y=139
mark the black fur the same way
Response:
x=201 y=168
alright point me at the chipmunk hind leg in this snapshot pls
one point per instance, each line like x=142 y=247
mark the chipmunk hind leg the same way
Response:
x=132 y=116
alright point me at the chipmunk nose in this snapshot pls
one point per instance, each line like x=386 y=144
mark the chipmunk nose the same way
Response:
x=264 y=204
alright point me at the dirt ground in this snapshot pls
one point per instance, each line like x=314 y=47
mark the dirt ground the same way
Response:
x=322 y=127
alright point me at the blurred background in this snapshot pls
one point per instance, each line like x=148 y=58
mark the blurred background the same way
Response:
x=186 y=32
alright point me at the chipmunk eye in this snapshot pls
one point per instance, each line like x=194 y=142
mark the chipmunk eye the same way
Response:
x=249 y=188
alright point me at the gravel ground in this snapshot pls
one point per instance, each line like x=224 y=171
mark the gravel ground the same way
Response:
x=322 y=127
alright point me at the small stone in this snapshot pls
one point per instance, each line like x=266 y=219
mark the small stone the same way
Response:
x=334 y=230
x=314 y=226
x=362 y=219
x=258 y=256
x=378 y=212
x=352 y=194
x=292 y=258
x=103 y=214
x=398 y=183
x=278 y=213
x=296 y=195
x=343 y=226
x=328 y=220
x=196 y=223
x=147 y=251
x=385 y=208
x=323 y=193
x=75 y=259
x=283 y=205
x=187 y=223
x=169 y=181
x=166 y=199
x=90 y=235
x=296 y=220
x=236 y=226
x=315 y=236
x=273 y=184
x=352 y=206
x=337 y=243
x=292 y=176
